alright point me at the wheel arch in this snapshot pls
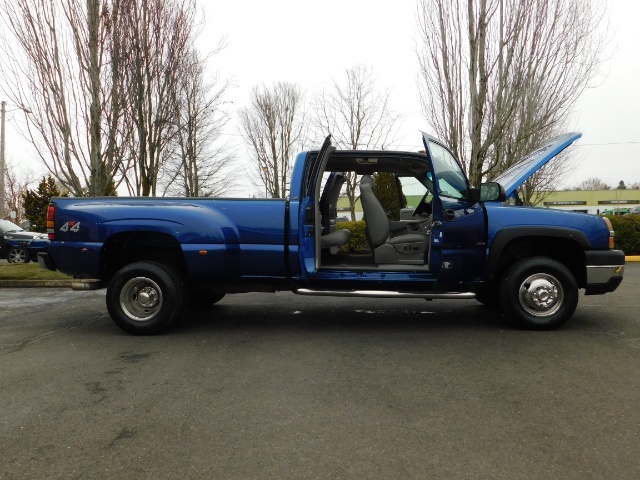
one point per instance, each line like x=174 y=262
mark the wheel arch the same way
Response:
x=562 y=244
x=123 y=248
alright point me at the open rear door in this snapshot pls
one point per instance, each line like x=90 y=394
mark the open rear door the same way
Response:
x=312 y=224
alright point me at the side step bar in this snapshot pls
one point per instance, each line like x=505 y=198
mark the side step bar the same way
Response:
x=385 y=294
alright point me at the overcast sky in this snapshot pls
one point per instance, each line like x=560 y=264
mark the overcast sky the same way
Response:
x=311 y=42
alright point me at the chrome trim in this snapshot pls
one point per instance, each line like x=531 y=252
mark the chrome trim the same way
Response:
x=384 y=294
x=598 y=274
x=541 y=295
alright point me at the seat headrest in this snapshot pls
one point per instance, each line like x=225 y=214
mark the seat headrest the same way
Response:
x=366 y=180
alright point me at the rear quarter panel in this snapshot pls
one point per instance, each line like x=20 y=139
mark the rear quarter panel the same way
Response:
x=220 y=238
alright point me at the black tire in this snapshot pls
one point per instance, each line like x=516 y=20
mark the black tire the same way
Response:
x=146 y=298
x=17 y=255
x=488 y=298
x=203 y=298
x=538 y=293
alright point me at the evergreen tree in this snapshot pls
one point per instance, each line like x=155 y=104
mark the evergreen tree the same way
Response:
x=35 y=203
x=386 y=191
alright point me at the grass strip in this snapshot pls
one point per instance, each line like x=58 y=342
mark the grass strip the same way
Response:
x=28 y=271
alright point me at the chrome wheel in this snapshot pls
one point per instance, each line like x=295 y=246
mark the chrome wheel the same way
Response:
x=146 y=297
x=141 y=299
x=541 y=295
x=17 y=255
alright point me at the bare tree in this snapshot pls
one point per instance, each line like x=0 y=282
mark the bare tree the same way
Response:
x=16 y=184
x=271 y=126
x=159 y=39
x=593 y=183
x=356 y=112
x=55 y=58
x=99 y=79
x=497 y=76
x=199 y=161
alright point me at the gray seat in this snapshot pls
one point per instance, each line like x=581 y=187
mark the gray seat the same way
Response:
x=335 y=239
x=402 y=248
x=331 y=237
x=329 y=202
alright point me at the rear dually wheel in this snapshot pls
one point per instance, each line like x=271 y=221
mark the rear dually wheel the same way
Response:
x=145 y=298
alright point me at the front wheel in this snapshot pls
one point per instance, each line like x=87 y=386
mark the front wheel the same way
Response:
x=538 y=293
x=17 y=255
x=145 y=298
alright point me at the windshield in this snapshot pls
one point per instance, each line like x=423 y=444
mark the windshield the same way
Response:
x=7 y=226
x=452 y=181
x=415 y=189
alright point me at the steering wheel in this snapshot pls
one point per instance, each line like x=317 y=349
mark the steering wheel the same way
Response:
x=423 y=205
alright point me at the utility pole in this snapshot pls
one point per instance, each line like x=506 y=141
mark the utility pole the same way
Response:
x=2 y=212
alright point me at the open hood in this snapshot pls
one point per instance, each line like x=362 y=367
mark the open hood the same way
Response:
x=515 y=176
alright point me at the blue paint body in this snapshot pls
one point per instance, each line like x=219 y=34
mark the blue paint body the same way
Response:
x=236 y=241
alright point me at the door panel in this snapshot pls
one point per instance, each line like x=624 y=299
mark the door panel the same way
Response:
x=312 y=224
x=458 y=241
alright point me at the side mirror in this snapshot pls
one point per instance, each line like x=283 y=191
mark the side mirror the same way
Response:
x=492 y=192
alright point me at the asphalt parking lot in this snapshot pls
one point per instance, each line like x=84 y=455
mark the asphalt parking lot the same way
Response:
x=282 y=386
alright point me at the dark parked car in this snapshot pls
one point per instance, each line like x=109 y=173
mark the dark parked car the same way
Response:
x=15 y=242
x=37 y=245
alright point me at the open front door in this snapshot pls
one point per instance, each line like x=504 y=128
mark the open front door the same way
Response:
x=458 y=233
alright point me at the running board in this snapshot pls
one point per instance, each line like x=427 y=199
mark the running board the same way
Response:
x=385 y=294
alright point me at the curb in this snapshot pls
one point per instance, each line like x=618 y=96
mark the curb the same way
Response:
x=35 y=283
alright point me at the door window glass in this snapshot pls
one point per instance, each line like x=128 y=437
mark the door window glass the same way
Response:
x=451 y=179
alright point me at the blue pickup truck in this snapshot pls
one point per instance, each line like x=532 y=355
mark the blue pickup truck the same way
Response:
x=159 y=256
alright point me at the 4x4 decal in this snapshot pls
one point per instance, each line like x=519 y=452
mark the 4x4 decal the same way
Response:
x=70 y=227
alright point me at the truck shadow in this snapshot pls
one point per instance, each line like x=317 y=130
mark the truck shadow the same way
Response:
x=295 y=313
x=357 y=316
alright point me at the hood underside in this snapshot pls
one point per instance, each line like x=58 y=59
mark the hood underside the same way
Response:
x=515 y=176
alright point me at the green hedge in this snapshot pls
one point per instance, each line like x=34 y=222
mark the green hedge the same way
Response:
x=627 y=228
x=358 y=242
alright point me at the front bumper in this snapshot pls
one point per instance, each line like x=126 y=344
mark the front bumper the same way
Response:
x=605 y=270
